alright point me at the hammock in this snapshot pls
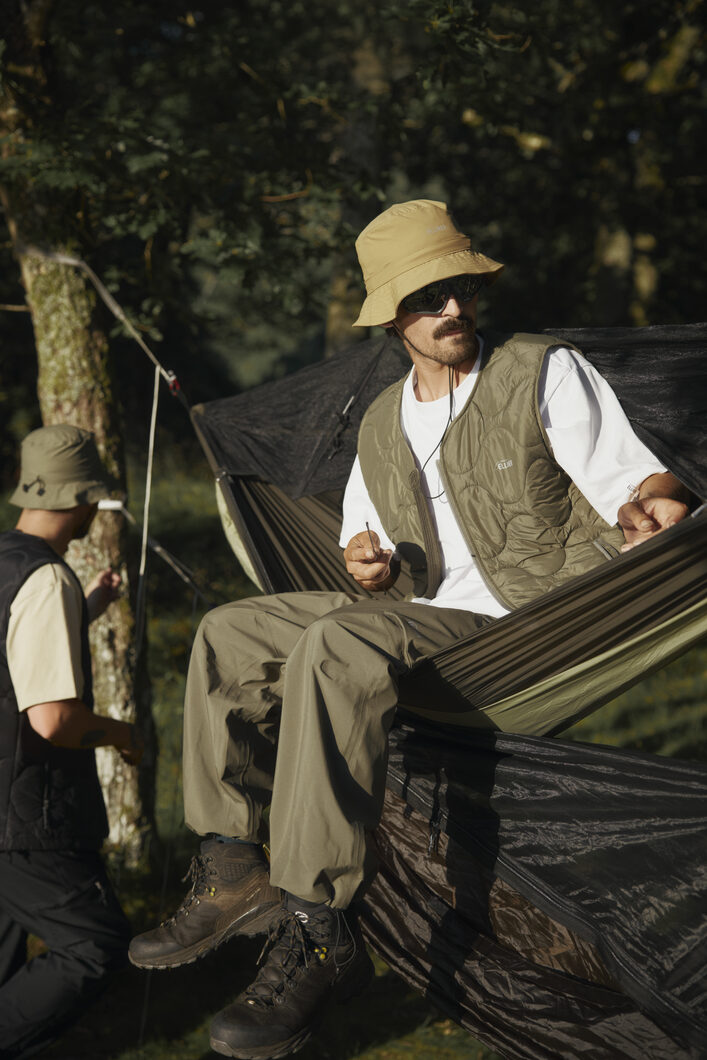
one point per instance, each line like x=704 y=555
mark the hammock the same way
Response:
x=544 y=894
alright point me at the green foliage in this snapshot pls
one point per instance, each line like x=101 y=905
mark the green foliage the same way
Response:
x=17 y=415
x=217 y=163
x=665 y=714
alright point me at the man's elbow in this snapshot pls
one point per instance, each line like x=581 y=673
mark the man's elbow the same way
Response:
x=52 y=721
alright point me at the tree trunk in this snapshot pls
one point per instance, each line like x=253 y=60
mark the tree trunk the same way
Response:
x=75 y=386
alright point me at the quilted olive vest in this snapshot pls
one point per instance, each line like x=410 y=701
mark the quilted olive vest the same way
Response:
x=525 y=522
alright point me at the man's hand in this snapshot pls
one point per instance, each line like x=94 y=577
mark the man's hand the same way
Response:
x=133 y=752
x=103 y=590
x=367 y=562
x=659 y=505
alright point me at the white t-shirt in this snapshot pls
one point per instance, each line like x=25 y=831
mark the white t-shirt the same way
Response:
x=591 y=439
x=44 y=638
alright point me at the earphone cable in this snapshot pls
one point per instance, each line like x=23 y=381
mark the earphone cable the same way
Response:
x=436 y=496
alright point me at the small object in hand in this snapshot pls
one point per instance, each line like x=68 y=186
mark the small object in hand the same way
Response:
x=370 y=538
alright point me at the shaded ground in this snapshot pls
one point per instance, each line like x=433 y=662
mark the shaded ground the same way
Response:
x=164 y=1015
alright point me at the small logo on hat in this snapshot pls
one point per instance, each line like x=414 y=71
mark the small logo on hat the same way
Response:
x=27 y=486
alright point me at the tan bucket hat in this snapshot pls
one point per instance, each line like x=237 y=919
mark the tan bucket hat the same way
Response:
x=59 y=469
x=408 y=246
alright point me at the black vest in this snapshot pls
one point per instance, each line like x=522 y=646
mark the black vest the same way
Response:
x=50 y=798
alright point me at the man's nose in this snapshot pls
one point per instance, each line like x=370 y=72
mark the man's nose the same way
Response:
x=453 y=308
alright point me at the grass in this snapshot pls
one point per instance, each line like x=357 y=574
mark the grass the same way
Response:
x=165 y=1016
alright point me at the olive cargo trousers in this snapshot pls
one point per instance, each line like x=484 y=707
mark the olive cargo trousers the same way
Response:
x=288 y=703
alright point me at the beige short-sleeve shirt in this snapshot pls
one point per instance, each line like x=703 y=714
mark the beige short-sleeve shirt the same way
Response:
x=44 y=638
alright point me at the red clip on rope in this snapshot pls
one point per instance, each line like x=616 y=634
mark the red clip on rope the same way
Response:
x=173 y=383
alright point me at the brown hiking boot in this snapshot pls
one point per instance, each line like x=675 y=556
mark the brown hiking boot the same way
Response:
x=312 y=959
x=230 y=895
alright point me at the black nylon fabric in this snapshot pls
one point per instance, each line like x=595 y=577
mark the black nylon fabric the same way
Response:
x=295 y=434
x=300 y=432
x=611 y=844
x=609 y=849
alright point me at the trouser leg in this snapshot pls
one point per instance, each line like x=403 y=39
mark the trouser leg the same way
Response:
x=67 y=900
x=339 y=694
x=232 y=708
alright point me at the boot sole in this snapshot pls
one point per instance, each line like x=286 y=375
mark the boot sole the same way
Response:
x=341 y=993
x=292 y=1045
x=255 y=922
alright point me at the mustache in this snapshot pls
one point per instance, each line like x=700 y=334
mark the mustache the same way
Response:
x=455 y=324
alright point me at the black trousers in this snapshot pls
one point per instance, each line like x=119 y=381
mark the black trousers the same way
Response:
x=66 y=899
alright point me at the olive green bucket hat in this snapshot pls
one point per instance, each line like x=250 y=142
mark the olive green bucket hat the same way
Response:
x=60 y=468
x=408 y=246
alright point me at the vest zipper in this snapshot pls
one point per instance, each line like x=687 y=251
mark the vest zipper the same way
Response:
x=607 y=550
x=465 y=534
x=432 y=553
x=45 y=797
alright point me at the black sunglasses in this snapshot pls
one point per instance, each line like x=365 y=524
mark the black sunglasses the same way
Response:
x=434 y=296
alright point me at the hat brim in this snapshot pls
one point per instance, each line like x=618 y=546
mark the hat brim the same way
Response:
x=56 y=498
x=381 y=305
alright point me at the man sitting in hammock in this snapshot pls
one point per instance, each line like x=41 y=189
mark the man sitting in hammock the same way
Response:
x=498 y=469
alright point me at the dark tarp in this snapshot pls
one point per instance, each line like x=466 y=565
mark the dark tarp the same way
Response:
x=563 y=911
x=295 y=434
x=549 y=896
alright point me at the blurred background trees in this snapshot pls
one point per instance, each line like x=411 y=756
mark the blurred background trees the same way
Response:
x=214 y=162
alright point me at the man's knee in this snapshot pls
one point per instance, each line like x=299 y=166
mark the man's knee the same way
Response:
x=356 y=631
x=339 y=648
x=317 y=639
x=87 y=927
x=211 y=624
x=222 y=631
x=100 y=934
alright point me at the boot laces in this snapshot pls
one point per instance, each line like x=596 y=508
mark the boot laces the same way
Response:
x=293 y=945
x=197 y=872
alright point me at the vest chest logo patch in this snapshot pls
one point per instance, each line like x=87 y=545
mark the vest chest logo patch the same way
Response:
x=503 y=465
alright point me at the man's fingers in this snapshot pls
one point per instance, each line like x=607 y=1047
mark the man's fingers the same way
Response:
x=640 y=519
x=364 y=547
x=365 y=556
x=632 y=516
x=361 y=554
x=368 y=571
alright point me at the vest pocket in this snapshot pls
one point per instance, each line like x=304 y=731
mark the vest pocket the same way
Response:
x=29 y=795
